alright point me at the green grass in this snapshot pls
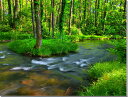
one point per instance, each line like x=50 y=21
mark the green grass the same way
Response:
x=49 y=47
x=110 y=84
x=99 y=69
x=13 y=35
x=111 y=80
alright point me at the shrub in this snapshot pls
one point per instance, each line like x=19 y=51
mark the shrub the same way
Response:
x=110 y=84
x=119 y=49
x=49 y=47
x=4 y=28
x=14 y=35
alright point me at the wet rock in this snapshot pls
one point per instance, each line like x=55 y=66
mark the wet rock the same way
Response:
x=53 y=66
x=2 y=57
x=83 y=65
x=39 y=62
x=66 y=68
x=21 y=68
x=64 y=58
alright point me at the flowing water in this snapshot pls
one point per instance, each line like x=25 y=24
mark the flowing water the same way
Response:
x=36 y=76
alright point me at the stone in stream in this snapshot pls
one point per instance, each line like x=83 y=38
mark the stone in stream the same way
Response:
x=83 y=65
x=39 y=62
x=2 y=57
x=66 y=68
x=53 y=66
x=77 y=63
x=64 y=58
x=83 y=60
x=21 y=68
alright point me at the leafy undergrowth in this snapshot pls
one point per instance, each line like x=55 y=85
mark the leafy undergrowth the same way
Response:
x=12 y=35
x=49 y=47
x=111 y=80
x=99 y=69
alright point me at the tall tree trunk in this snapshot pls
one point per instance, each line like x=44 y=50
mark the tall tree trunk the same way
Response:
x=104 y=15
x=61 y=21
x=96 y=15
x=41 y=12
x=15 y=14
x=10 y=13
x=70 y=16
x=38 y=24
x=84 y=16
x=59 y=11
x=33 y=18
x=1 y=10
x=52 y=18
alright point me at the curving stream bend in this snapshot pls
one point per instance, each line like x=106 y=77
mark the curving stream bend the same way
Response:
x=22 y=75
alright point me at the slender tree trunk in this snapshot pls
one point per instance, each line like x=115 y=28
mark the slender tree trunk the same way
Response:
x=59 y=11
x=15 y=14
x=61 y=22
x=41 y=9
x=104 y=15
x=3 y=1
x=84 y=16
x=96 y=14
x=10 y=13
x=70 y=16
x=52 y=18
x=1 y=9
x=33 y=18
x=38 y=24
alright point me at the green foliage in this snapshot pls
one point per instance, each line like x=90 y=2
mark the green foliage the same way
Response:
x=13 y=35
x=49 y=47
x=111 y=80
x=99 y=69
x=5 y=28
x=119 y=49
x=75 y=31
x=110 y=84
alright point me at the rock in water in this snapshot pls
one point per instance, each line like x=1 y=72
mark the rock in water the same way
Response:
x=27 y=68
x=53 y=66
x=2 y=57
x=16 y=68
x=83 y=60
x=64 y=58
x=21 y=68
x=66 y=68
x=83 y=65
x=39 y=62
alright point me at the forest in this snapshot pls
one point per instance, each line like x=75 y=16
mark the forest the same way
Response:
x=63 y=47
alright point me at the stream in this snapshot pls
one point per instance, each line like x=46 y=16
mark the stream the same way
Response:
x=54 y=76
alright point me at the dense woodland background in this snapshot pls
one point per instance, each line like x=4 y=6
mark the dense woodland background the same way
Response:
x=64 y=17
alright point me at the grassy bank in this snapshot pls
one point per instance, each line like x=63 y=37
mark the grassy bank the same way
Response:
x=111 y=80
x=49 y=47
